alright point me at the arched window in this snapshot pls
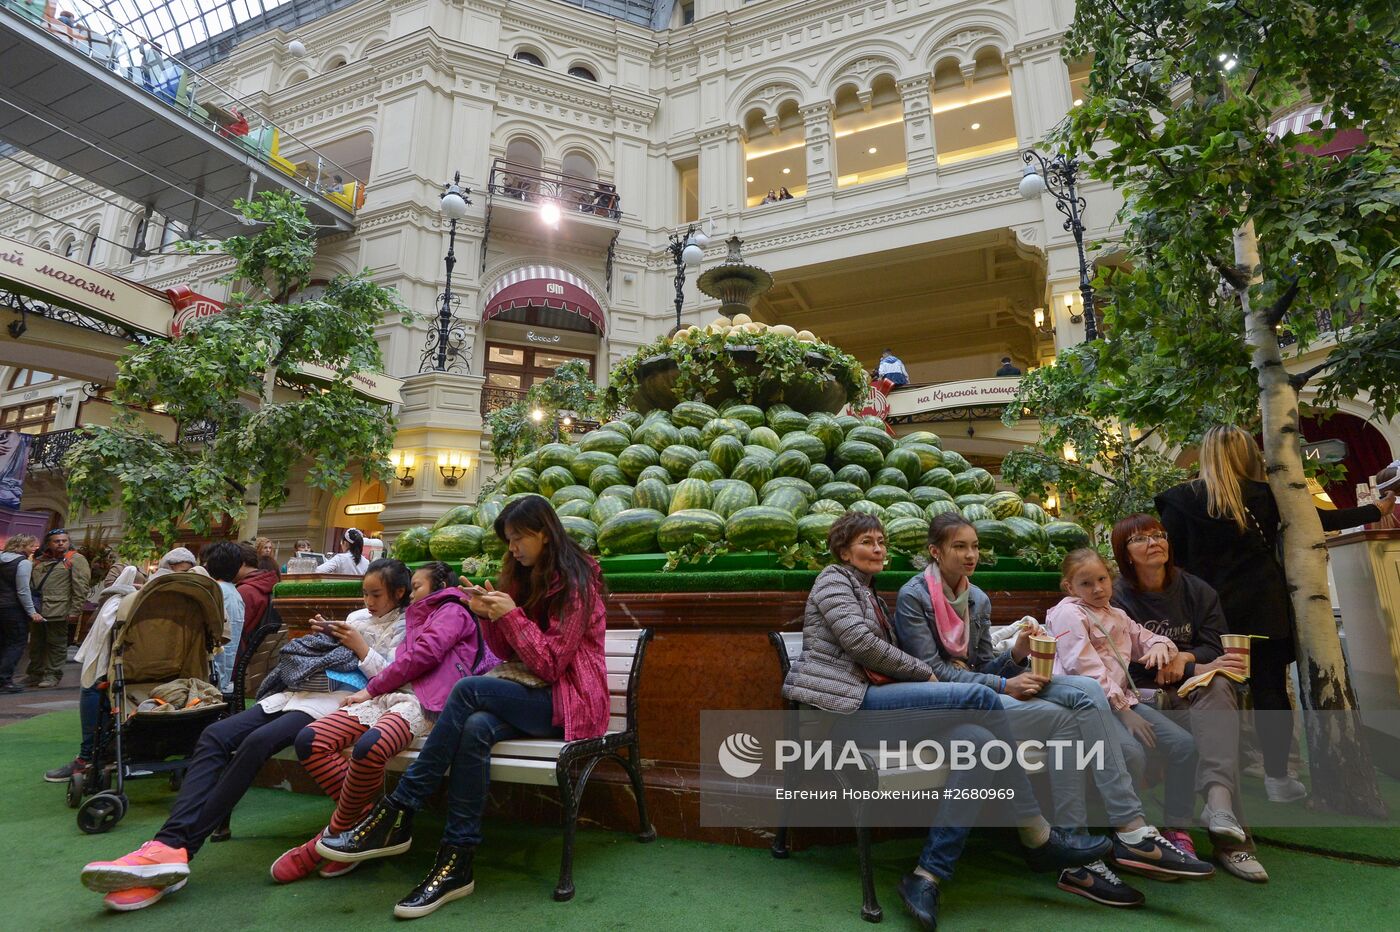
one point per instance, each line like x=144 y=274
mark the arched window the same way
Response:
x=869 y=132
x=529 y=58
x=70 y=247
x=775 y=154
x=92 y=246
x=581 y=182
x=24 y=378
x=337 y=62
x=579 y=71
x=521 y=176
x=972 y=115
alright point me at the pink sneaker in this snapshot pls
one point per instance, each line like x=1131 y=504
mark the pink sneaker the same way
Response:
x=124 y=901
x=337 y=868
x=154 y=864
x=297 y=863
x=1181 y=839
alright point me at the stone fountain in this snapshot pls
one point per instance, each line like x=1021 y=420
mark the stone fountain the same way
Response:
x=734 y=282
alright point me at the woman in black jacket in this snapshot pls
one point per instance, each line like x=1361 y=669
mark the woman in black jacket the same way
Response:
x=1224 y=528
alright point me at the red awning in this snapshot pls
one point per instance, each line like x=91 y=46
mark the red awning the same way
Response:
x=1300 y=122
x=543 y=286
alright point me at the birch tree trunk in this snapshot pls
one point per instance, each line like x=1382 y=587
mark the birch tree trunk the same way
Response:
x=1343 y=778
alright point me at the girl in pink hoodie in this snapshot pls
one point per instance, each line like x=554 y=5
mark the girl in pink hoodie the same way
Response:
x=442 y=644
x=1098 y=639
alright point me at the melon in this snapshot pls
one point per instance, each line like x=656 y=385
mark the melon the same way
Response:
x=906 y=510
x=930 y=457
x=847 y=493
x=954 y=462
x=760 y=527
x=657 y=472
x=934 y=509
x=920 y=436
x=691 y=495
x=578 y=507
x=1036 y=513
x=789 y=482
x=827 y=506
x=652 y=494
x=888 y=476
x=635 y=458
x=788 y=499
x=724 y=426
x=677 y=459
x=705 y=469
x=975 y=513
x=605 y=476
x=583 y=531
x=765 y=437
x=939 y=478
x=563 y=495
x=462 y=514
x=658 y=435
x=926 y=495
x=693 y=414
x=1028 y=533
x=604 y=508
x=1004 y=504
x=689 y=526
x=858 y=476
x=813 y=528
x=690 y=437
x=733 y=497
x=1066 y=534
x=619 y=427
x=606 y=440
x=885 y=495
x=553 y=479
x=907 y=534
x=762 y=453
x=860 y=453
x=792 y=463
x=520 y=480
x=873 y=436
x=556 y=454
x=810 y=444
x=726 y=451
x=411 y=546
x=456 y=542
x=995 y=536
x=820 y=474
x=908 y=462
x=630 y=531
x=752 y=415
x=786 y=422
x=583 y=465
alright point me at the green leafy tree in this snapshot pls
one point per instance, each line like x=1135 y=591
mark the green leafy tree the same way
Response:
x=221 y=376
x=1231 y=236
x=528 y=424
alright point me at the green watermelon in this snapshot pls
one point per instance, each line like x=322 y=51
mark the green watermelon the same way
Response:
x=567 y=493
x=1028 y=533
x=860 y=453
x=789 y=482
x=965 y=483
x=657 y=472
x=635 y=458
x=985 y=481
x=492 y=546
x=764 y=437
x=975 y=513
x=690 y=437
x=873 y=420
x=604 y=508
x=954 y=462
x=623 y=492
x=652 y=494
x=925 y=495
x=791 y=463
x=788 y=499
x=677 y=459
x=619 y=427
x=760 y=527
x=820 y=474
x=724 y=427
x=556 y=454
x=726 y=451
x=920 y=436
x=857 y=476
x=688 y=526
x=630 y=531
x=691 y=494
x=846 y=422
x=583 y=531
x=553 y=479
x=658 y=435
x=761 y=453
x=995 y=536
x=934 y=509
x=576 y=507
x=606 y=440
x=970 y=498
x=873 y=436
x=733 y=497
x=1036 y=513
x=753 y=470
x=930 y=457
x=1066 y=534
x=907 y=534
x=456 y=542
x=827 y=506
x=1004 y=504
x=908 y=462
x=705 y=469
x=521 y=480
x=786 y=422
x=633 y=418
x=488 y=510
x=583 y=465
x=749 y=414
x=411 y=546
x=814 y=527
x=888 y=476
x=605 y=476
x=885 y=495
x=847 y=493
x=528 y=461
x=693 y=414
x=827 y=431
x=519 y=495
x=809 y=444
x=461 y=514
x=939 y=478
x=906 y=510
x=869 y=508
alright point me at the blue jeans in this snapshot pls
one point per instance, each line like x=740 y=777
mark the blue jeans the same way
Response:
x=1084 y=716
x=89 y=711
x=1178 y=751
x=481 y=711
x=948 y=836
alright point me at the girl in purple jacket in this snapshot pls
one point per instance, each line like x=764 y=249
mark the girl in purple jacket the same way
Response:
x=441 y=644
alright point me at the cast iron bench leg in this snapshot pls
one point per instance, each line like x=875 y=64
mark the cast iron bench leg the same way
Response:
x=870 y=909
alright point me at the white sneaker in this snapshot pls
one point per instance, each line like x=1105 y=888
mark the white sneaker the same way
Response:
x=1284 y=789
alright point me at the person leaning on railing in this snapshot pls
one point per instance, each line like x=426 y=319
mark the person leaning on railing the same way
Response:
x=850 y=662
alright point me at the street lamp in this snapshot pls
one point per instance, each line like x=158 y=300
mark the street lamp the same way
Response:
x=448 y=337
x=687 y=250
x=1058 y=176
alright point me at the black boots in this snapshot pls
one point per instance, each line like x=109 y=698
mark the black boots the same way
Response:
x=387 y=830
x=450 y=878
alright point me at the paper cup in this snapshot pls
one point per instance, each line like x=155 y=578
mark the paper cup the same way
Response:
x=1237 y=644
x=1042 y=655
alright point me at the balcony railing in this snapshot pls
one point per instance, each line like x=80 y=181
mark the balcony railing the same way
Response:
x=47 y=450
x=1325 y=325
x=530 y=184
x=494 y=398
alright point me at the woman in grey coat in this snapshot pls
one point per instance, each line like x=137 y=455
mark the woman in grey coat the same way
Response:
x=850 y=662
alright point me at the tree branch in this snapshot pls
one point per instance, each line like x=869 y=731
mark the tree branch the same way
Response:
x=1300 y=379
x=1274 y=315
x=1237 y=277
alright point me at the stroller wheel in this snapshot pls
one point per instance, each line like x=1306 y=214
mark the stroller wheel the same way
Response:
x=74 y=795
x=101 y=813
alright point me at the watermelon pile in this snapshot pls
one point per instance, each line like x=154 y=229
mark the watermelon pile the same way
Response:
x=754 y=479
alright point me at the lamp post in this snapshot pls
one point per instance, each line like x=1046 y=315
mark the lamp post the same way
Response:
x=687 y=250
x=1058 y=176
x=448 y=337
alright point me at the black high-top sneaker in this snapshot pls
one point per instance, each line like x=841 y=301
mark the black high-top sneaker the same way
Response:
x=387 y=830
x=450 y=879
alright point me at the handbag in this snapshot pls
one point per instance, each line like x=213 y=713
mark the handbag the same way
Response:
x=516 y=672
x=875 y=677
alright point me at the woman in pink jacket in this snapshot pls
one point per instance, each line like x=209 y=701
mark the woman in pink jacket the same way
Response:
x=1095 y=638
x=442 y=644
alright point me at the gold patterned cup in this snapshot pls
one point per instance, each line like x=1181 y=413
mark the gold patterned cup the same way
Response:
x=1237 y=645
x=1042 y=654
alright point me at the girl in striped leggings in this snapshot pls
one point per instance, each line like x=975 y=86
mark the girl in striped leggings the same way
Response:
x=441 y=644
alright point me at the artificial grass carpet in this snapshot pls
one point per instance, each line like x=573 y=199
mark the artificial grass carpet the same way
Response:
x=669 y=884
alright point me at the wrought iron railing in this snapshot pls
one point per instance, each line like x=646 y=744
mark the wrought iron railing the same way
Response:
x=494 y=398
x=530 y=184
x=48 y=450
x=1325 y=324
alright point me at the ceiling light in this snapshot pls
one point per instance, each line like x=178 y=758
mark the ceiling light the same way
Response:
x=749 y=179
x=787 y=171
x=549 y=213
x=976 y=125
x=871 y=151
x=1079 y=101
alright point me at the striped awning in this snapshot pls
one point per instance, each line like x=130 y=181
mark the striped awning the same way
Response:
x=1300 y=122
x=543 y=286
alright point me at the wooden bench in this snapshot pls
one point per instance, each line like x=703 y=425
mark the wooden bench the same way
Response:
x=537 y=761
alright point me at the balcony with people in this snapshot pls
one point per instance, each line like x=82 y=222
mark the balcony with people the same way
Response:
x=526 y=195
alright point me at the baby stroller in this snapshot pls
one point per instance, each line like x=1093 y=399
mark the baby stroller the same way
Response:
x=165 y=631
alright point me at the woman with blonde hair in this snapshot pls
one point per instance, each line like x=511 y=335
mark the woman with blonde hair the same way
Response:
x=1224 y=528
x=17 y=608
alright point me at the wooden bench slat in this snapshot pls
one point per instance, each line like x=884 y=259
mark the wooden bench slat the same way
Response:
x=620 y=664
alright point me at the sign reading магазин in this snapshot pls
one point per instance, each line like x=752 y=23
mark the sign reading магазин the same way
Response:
x=965 y=394
x=53 y=279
